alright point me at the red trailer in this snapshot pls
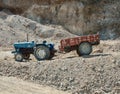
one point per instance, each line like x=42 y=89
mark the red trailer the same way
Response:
x=82 y=44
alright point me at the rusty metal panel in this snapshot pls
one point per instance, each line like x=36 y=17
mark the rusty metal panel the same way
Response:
x=77 y=40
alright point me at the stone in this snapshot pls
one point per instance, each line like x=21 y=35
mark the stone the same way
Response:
x=32 y=26
x=118 y=63
x=78 y=17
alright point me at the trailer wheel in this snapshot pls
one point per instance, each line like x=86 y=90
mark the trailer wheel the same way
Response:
x=84 y=48
x=26 y=56
x=18 y=57
x=42 y=52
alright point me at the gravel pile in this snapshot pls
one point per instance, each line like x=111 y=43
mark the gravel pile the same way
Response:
x=95 y=74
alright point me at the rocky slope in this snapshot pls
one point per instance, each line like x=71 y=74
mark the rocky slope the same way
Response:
x=15 y=28
x=97 y=73
x=77 y=16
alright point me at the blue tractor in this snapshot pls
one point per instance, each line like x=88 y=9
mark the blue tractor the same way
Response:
x=43 y=51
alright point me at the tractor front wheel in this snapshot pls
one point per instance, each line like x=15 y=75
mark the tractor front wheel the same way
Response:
x=42 y=53
x=18 y=57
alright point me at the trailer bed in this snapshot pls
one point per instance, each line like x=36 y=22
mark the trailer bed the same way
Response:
x=72 y=42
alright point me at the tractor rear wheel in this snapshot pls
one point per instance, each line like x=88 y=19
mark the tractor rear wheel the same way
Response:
x=18 y=57
x=42 y=53
x=26 y=56
x=84 y=48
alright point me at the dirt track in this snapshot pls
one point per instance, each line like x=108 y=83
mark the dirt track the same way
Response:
x=10 y=85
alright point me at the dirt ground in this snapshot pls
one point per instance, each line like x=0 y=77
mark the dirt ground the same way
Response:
x=11 y=85
x=97 y=73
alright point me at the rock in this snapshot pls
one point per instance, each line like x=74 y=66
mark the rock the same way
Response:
x=117 y=83
x=3 y=15
x=32 y=26
x=98 y=51
x=116 y=91
x=83 y=60
x=118 y=63
x=71 y=79
x=19 y=27
x=113 y=61
x=98 y=92
x=107 y=90
x=77 y=16
x=94 y=77
x=64 y=68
